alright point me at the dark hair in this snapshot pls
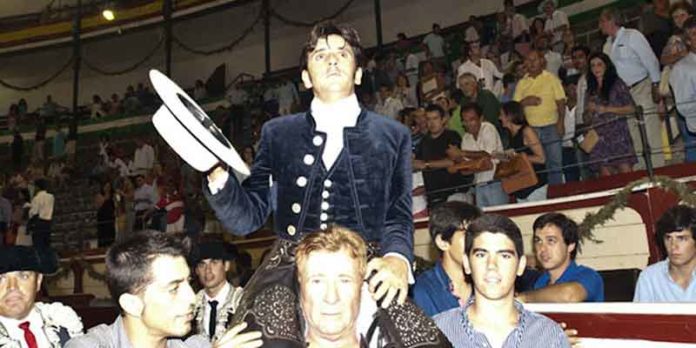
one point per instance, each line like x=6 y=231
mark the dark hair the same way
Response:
x=435 y=108
x=515 y=111
x=128 y=262
x=532 y=27
x=471 y=107
x=41 y=184
x=323 y=30
x=582 y=48
x=494 y=223
x=689 y=24
x=675 y=219
x=568 y=227
x=450 y=217
x=682 y=5
x=610 y=77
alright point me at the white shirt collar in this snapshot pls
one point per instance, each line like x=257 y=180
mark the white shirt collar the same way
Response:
x=340 y=114
x=221 y=295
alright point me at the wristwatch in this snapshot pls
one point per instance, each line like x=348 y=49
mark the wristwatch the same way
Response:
x=427 y=165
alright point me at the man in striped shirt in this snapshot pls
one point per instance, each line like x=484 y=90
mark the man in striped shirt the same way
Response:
x=494 y=257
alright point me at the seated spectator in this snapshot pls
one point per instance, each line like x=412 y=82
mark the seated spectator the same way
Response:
x=97 y=109
x=248 y=155
x=674 y=278
x=23 y=321
x=485 y=71
x=431 y=83
x=388 y=105
x=12 y=117
x=431 y=158
x=22 y=108
x=485 y=99
x=494 y=257
x=536 y=28
x=50 y=109
x=556 y=22
x=608 y=102
x=479 y=143
x=444 y=286
x=115 y=107
x=554 y=60
x=131 y=103
x=524 y=139
x=556 y=243
x=335 y=303
x=147 y=276
x=217 y=301
x=405 y=92
x=172 y=205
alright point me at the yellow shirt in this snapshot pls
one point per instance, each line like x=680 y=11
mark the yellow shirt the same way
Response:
x=547 y=87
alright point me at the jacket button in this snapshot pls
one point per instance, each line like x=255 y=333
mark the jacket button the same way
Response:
x=323 y=217
x=323 y=226
x=325 y=194
x=291 y=230
x=324 y=205
x=308 y=160
x=301 y=181
x=317 y=141
x=327 y=183
x=296 y=208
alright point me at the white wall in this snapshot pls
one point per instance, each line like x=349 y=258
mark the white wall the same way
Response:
x=215 y=30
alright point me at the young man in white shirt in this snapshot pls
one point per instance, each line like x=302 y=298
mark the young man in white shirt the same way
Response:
x=217 y=301
x=41 y=215
x=143 y=158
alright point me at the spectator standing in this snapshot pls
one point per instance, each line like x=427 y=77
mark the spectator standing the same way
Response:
x=58 y=142
x=486 y=72
x=287 y=97
x=17 y=150
x=683 y=81
x=106 y=216
x=543 y=98
x=39 y=141
x=435 y=44
x=607 y=105
x=41 y=215
x=143 y=158
x=637 y=66
x=5 y=218
x=656 y=26
x=144 y=199
x=554 y=60
x=571 y=170
x=199 y=91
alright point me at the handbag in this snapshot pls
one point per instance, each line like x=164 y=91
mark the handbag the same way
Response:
x=516 y=174
x=469 y=166
x=589 y=141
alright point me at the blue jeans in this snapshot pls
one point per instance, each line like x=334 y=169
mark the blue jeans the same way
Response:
x=689 y=139
x=548 y=135
x=490 y=194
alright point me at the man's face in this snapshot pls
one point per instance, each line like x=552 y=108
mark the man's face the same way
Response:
x=681 y=248
x=18 y=292
x=679 y=17
x=168 y=300
x=551 y=250
x=472 y=122
x=468 y=86
x=331 y=68
x=542 y=42
x=535 y=63
x=548 y=8
x=330 y=296
x=580 y=60
x=494 y=265
x=212 y=273
x=475 y=47
x=383 y=93
x=436 y=123
x=606 y=25
x=139 y=181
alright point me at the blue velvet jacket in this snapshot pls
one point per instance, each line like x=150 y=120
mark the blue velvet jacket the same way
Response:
x=368 y=189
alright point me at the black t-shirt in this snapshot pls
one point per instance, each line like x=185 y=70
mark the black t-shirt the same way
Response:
x=438 y=182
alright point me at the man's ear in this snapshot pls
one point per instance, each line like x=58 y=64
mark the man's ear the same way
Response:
x=441 y=244
x=522 y=265
x=358 y=76
x=131 y=304
x=39 y=280
x=228 y=265
x=571 y=248
x=306 y=79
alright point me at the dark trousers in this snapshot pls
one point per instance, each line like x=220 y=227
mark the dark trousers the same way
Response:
x=571 y=169
x=41 y=234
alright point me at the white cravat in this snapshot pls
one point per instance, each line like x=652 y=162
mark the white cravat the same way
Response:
x=331 y=119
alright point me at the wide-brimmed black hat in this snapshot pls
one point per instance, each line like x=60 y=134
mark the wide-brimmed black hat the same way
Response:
x=23 y=258
x=217 y=250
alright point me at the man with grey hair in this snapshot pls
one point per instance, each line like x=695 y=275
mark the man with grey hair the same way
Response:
x=638 y=66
